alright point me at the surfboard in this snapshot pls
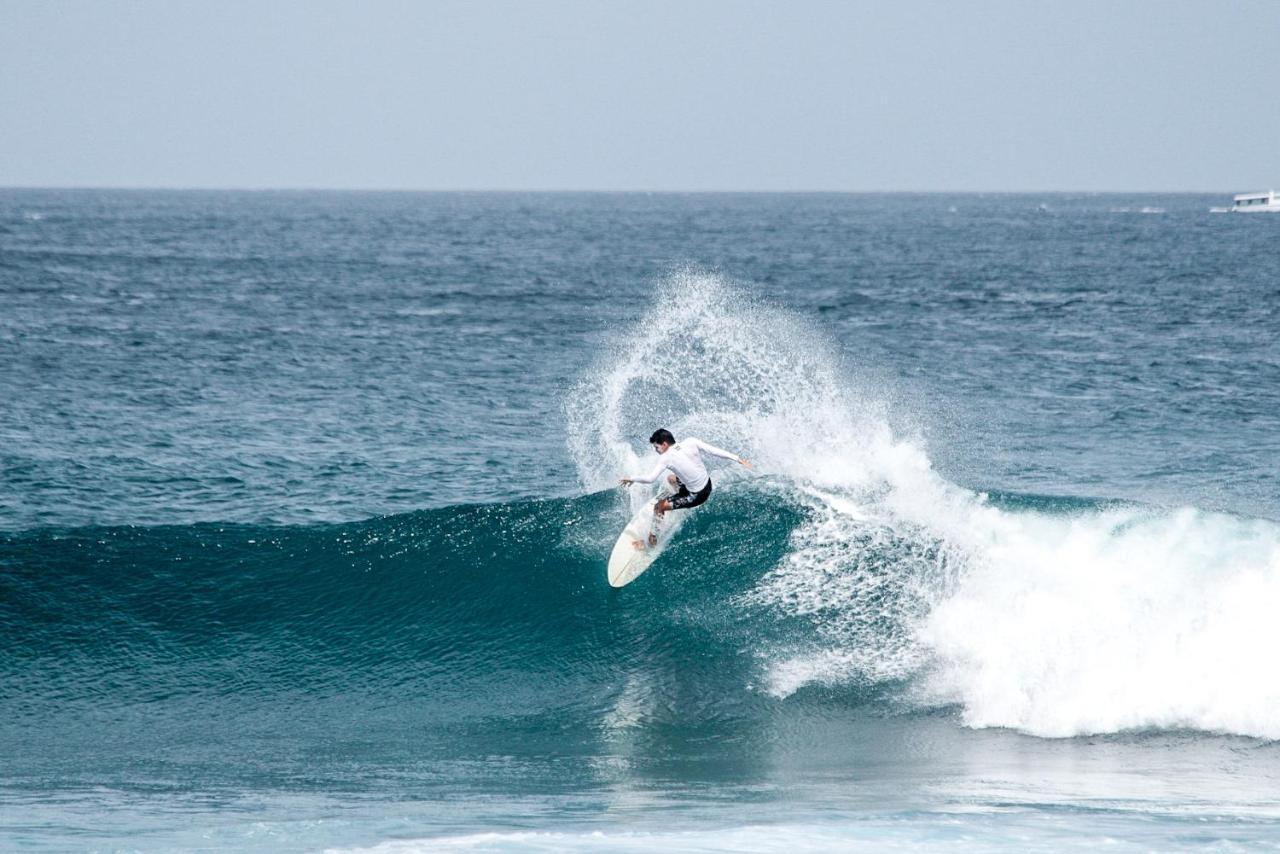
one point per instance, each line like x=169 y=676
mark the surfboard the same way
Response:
x=628 y=560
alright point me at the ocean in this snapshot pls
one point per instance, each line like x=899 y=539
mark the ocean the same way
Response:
x=306 y=498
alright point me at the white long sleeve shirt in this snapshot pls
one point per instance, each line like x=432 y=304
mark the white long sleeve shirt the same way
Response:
x=685 y=461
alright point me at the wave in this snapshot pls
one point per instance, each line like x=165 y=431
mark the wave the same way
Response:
x=846 y=571
x=1055 y=618
x=1098 y=620
x=470 y=609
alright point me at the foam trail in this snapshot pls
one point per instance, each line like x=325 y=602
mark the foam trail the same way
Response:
x=1056 y=624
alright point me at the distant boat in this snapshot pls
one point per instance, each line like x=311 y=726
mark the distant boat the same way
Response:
x=1253 y=202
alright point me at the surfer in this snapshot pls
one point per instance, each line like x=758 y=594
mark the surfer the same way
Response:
x=688 y=473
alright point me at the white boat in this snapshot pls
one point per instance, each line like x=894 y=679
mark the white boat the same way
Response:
x=1252 y=202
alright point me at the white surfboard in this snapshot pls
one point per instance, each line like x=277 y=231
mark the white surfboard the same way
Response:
x=632 y=553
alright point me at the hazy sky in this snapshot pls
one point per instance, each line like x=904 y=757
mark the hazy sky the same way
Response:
x=893 y=95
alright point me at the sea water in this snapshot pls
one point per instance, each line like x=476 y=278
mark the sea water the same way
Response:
x=305 y=502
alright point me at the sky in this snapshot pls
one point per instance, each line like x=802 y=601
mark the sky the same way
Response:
x=1001 y=95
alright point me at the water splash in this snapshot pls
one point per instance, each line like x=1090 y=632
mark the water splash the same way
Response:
x=711 y=360
x=1106 y=619
x=708 y=359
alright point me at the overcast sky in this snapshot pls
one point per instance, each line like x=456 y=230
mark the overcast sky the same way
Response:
x=1140 y=95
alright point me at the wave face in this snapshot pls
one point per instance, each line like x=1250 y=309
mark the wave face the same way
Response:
x=845 y=569
x=454 y=617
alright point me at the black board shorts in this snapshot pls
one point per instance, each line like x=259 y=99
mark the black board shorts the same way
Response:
x=684 y=499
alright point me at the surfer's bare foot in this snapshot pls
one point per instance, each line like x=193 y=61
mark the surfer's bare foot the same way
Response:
x=653 y=539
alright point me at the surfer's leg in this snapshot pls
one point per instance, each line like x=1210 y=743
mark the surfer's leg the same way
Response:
x=653 y=529
x=670 y=501
x=685 y=500
x=659 y=510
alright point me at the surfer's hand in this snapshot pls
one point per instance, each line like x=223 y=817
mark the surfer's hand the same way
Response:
x=626 y=481
x=746 y=463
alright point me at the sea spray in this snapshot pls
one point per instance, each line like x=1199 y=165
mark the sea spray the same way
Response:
x=712 y=360
x=708 y=359
x=1057 y=623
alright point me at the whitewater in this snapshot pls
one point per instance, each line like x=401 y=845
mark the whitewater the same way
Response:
x=302 y=543
x=1092 y=619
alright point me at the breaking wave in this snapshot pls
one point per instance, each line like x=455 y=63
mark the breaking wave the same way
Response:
x=845 y=569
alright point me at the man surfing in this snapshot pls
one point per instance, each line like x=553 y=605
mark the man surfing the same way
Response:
x=688 y=472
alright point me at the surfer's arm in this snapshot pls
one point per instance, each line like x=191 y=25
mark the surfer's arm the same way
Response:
x=720 y=452
x=649 y=478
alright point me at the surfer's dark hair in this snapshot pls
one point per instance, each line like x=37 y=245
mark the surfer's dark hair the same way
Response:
x=661 y=435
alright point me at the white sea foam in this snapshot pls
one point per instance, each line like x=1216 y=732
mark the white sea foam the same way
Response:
x=1118 y=620
x=434 y=311
x=957 y=830
x=1052 y=623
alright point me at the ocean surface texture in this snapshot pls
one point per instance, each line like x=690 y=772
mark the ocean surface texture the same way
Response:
x=305 y=502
